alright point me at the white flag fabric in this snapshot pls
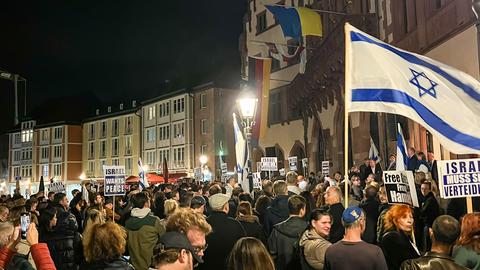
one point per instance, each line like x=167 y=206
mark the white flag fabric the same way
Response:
x=402 y=158
x=373 y=152
x=240 y=149
x=382 y=78
x=141 y=174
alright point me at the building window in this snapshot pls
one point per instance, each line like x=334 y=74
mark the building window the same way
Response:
x=27 y=154
x=261 y=22
x=17 y=155
x=103 y=129
x=16 y=138
x=57 y=169
x=91 y=150
x=164 y=109
x=151 y=159
x=179 y=130
x=179 y=105
x=27 y=171
x=57 y=151
x=151 y=135
x=179 y=156
x=27 y=135
x=128 y=166
x=164 y=132
x=115 y=147
x=128 y=125
x=203 y=101
x=203 y=149
x=44 y=135
x=164 y=154
x=91 y=131
x=203 y=126
x=103 y=162
x=91 y=168
x=16 y=171
x=57 y=133
x=128 y=145
x=151 y=112
x=44 y=152
x=103 y=148
x=115 y=127
x=44 y=170
x=115 y=162
x=275 y=108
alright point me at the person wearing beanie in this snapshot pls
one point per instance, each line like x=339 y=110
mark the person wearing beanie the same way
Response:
x=226 y=232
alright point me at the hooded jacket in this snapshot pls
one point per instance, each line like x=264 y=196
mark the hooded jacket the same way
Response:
x=144 y=231
x=314 y=248
x=276 y=213
x=252 y=227
x=283 y=243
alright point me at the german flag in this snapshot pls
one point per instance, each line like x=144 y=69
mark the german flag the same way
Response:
x=259 y=79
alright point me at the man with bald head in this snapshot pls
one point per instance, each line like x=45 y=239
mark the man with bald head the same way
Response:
x=333 y=198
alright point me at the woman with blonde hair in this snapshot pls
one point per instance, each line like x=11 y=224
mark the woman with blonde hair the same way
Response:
x=398 y=242
x=170 y=206
x=93 y=217
x=249 y=253
x=467 y=250
x=103 y=250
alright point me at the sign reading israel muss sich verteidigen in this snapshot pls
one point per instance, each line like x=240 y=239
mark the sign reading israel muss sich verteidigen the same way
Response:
x=459 y=178
x=400 y=187
x=114 y=184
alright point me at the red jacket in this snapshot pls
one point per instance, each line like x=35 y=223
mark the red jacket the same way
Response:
x=40 y=254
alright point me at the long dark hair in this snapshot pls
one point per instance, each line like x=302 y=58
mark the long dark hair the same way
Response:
x=46 y=215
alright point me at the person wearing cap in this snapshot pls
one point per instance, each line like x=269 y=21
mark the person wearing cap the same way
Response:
x=352 y=252
x=198 y=204
x=226 y=232
x=175 y=253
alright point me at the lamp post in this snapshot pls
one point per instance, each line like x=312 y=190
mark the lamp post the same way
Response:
x=203 y=161
x=16 y=78
x=247 y=107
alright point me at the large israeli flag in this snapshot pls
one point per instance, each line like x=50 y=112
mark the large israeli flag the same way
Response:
x=382 y=78
x=240 y=149
x=402 y=158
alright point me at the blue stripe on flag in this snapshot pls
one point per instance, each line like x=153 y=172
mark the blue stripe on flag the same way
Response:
x=402 y=147
x=355 y=36
x=435 y=122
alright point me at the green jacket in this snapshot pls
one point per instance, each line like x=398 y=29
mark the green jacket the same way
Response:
x=466 y=257
x=144 y=231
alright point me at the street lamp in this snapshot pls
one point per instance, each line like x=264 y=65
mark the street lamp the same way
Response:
x=247 y=107
x=16 y=78
x=82 y=176
x=203 y=160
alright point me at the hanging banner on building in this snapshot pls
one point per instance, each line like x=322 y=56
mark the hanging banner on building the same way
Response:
x=326 y=167
x=292 y=163
x=56 y=187
x=269 y=164
x=459 y=178
x=400 y=187
x=257 y=180
x=114 y=183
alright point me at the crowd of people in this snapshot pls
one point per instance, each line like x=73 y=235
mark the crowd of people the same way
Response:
x=292 y=222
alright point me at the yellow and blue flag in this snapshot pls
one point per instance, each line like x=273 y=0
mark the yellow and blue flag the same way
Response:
x=297 y=21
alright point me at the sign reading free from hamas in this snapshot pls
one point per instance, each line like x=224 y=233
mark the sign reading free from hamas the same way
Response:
x=400 y=188
x=459 y=178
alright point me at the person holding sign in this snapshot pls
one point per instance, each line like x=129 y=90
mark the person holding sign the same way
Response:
x=397 y=244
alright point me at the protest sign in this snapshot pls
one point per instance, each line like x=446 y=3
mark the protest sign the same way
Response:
x=459 y=178
x=56 y=187
x=326 y=167
x=400 y=188
x=304 y=162
x=282 y=172
x=257 y=181
x=292 y=163
x=269 y=164
x=114 y=184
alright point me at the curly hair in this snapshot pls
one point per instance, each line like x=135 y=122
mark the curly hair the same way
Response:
x=184 y=219
x=107 y=243
x=470 y=232
x=394 y=214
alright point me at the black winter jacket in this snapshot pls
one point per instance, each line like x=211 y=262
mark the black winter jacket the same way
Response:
x=276 y=213
x=370 y=207
x=253 y=228
x=337 y=231
x=432 y=260
x=64 y=242
x=397 y=248
x=283 y=243
x=116 y=264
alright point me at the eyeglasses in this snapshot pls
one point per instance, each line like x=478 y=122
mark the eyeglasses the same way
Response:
x=198 y=249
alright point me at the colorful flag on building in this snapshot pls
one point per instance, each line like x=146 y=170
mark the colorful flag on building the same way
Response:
x=373 y=152
x=259 y=79
x=297 y=22
x=143 y=183
x=402 y=158
x=383 y=78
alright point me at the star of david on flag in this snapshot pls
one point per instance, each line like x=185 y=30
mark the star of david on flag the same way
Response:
x=382 y=78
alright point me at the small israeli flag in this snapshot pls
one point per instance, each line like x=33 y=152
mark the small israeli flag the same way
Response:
x=402 y=158
x=141 y=174
x=373 y=152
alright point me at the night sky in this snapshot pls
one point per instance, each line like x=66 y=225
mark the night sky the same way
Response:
x=86 y=53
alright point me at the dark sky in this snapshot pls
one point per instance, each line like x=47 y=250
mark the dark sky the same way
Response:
x=113 y=51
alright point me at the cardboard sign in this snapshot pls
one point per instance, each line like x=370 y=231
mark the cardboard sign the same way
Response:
x=326 y=167
x=304 y=162
x=269 y=164
x=459 y=178
x=257 y=180
x=56 y=187
x=114 y=184
x=292 y=163
x=400 y=188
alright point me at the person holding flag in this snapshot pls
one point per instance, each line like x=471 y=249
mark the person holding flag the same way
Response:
x=143 y=183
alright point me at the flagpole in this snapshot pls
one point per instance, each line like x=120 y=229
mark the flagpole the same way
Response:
x=469 y=204
x=346 y=105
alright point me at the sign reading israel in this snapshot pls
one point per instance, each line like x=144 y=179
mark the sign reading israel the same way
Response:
x=269 y=163
x=114 y=180
x=400 y=188
x=459 y=178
